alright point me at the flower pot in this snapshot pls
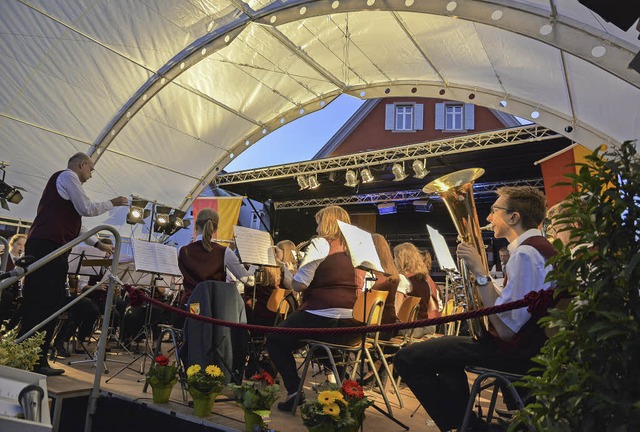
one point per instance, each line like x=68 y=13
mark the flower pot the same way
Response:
x=161 y=393
x=253 y=422
x=202 y=405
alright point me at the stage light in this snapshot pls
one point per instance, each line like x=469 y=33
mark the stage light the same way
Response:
x=387 y=208
x=176 y=222
x=302 y=182
x=366 y=175
x=351 y=179
x=137 y=212
x=422 y=206
x=162 y=218
x=398 y=172
x=313 y=182
x=419 y=169
x=8 y=193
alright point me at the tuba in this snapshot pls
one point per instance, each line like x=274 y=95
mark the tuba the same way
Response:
x=456 y=190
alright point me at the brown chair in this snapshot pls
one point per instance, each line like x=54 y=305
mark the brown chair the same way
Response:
x=369 y=315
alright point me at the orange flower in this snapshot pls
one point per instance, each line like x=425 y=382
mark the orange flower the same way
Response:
x=352 y=389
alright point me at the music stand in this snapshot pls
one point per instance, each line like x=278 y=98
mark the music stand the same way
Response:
x=151 y=259
x=364 y=256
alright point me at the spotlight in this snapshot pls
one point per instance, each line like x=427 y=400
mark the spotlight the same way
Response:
x=366 y=175
x=398 y=172
x=176 y=222
x=162 y=218
x=313 y=181
x=137 y=212
x=419 y=169
x=302 y=182
x=351 y=179
x=8 y=193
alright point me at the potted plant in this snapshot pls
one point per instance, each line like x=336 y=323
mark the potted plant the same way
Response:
x=204 y=386
x=337 y=409
x=162 y=377
x=588 y=378
x=23 y=355
x=256 y=398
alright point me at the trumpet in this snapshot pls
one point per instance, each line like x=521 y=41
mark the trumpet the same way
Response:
x=456 y=190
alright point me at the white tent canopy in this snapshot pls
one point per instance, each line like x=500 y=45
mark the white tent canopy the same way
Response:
x=164 y=93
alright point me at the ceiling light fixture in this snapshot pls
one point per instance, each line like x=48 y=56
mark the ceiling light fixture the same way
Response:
x=351 y=178
x=302 y=182
x=398 y=172
x=419 y=169
x=366 y=175
x=313 y=181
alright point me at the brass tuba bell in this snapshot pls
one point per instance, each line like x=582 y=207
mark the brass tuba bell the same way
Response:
x=456 y=190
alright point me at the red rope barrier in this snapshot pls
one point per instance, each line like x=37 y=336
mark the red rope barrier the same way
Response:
x=534 y=301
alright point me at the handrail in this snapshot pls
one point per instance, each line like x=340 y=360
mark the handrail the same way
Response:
x=102 y=342
x=5 y=255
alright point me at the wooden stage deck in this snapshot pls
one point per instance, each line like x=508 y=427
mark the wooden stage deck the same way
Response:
x=226 y=415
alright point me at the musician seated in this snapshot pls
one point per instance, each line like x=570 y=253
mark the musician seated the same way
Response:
x=256 y=301
x=12 y=295
x=435 y=369
x=81 y=320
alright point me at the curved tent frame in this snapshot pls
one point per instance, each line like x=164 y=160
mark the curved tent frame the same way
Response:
x=176 y=116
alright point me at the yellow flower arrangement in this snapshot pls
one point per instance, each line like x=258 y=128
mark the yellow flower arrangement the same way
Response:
x=204 y=382
x=337 y=409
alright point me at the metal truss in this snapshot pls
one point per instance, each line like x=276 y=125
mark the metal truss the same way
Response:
x=460 y=144
x=398 y=196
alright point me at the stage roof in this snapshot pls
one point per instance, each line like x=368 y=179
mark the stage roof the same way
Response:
x=163 y=94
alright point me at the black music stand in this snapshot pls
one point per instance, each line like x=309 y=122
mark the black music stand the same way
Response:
x=155 y=259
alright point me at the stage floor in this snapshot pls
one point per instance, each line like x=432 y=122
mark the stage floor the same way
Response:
x=128 y=384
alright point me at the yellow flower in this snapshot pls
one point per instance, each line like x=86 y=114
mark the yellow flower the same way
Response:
x=331 y=409
x=326 y=397
x=214 y=371
x=337 y=396
x=193 y=369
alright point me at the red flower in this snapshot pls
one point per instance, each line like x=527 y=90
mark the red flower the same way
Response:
x=162 y=360
x=263 y=376
x=352 y=389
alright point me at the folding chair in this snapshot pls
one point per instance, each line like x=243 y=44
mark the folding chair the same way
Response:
x=371 y=316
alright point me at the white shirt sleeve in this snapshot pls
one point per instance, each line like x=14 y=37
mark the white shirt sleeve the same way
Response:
x=69 y=187
x=237 y=269
x=317 y=251
x=404 y=286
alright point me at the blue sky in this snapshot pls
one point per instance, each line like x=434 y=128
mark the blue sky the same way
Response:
x=298 y=140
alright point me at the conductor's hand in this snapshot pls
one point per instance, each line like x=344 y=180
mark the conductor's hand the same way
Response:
x=119 y=201
x=471 y=258
x=106 y=248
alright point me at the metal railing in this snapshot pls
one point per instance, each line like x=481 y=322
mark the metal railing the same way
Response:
x=5 y=255
x=102 y=342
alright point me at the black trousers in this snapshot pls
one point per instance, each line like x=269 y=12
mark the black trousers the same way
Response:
x=44 y=290
x=282 y=346
x=435 y=372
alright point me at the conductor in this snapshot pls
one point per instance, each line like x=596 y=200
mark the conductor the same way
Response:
x=58 y=221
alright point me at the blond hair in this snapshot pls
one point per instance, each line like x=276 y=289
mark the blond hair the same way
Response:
x=272 y=276
x=207 y=223
x=327 y=220
x=409 y=260
x=15 y=238
x=287 y=247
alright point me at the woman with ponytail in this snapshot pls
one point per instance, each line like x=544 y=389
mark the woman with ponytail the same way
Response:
x=203 y=259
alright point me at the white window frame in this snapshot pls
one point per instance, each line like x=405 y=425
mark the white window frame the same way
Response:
x=454 y=121
x=404 y=117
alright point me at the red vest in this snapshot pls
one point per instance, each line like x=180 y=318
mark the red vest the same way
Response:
x=333 y=285
x=198 y=265
x=424 y=289
x=56 y=218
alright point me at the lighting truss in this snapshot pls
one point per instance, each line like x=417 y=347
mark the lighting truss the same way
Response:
x=397 y=196
x=460 y=144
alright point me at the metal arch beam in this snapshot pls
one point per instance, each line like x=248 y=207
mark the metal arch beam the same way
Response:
x=567 y=35
x=460 y=144
x=398 y=196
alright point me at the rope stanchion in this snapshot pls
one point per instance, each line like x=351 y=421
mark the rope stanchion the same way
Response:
x=536 y=302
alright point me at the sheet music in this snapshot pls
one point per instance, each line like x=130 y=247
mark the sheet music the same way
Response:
x=443 y=255
x=361 y=248
x=254 y=246
x=155 y=257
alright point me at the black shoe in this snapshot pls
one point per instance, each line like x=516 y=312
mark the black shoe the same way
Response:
x=287 y=405
x=61 y=351
x=47 y=370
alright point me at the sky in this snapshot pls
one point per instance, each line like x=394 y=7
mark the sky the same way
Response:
x=299 y=140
